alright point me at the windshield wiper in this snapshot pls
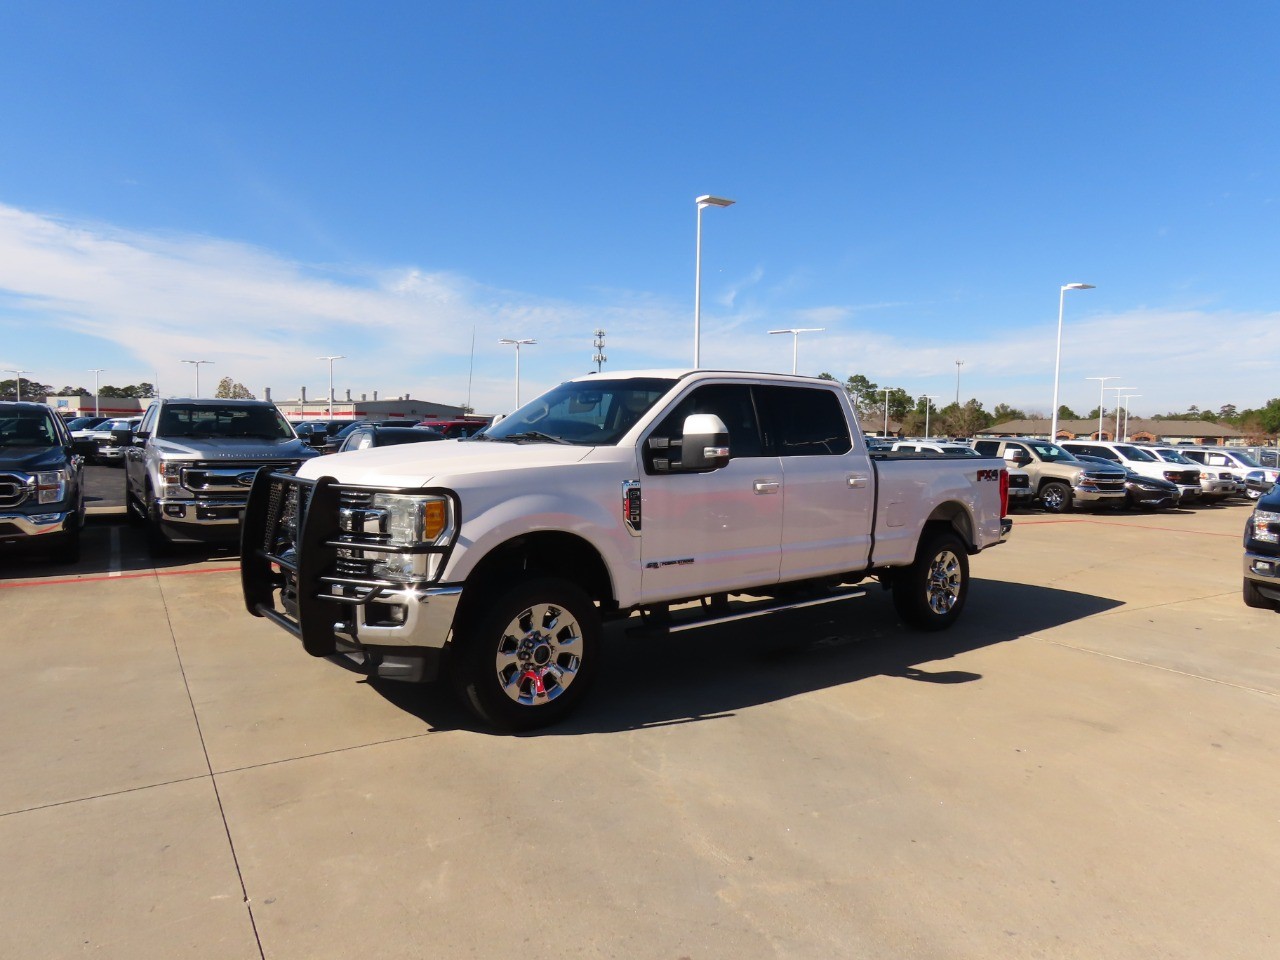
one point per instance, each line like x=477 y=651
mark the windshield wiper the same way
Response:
x=536 y=437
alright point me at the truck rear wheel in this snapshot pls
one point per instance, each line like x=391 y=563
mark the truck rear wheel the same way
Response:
x=526 y=660
x=1056 y=497
x=930 y=594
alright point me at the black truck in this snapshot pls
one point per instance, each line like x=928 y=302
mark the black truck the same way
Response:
x=41 y=482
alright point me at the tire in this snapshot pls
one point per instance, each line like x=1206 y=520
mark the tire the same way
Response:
x=68 y=548
x=1253 y=597
x=134 y=511
x=1055 y=497
x=1253 y=494
x=158 y=545
x=930 y=594
x=527 y=659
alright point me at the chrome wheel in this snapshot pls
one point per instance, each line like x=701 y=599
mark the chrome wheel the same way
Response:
x=943 y=582
x=539 y=654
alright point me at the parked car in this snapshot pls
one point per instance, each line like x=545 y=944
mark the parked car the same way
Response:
x=84 y=423
x=1140 y=490
x=312 y=432
x=1135 y=458
x=1059 y=480
x=1215 y=483
x=1020 y=492
x=372 y=435
x=189 y=466
x=1261 y=586
x=107 y=447
x=457 y=427
x=1232 y=459
x=41 y=482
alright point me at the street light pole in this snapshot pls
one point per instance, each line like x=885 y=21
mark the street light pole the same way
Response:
x=886 y=412
x=18 y=374
x=1119 y=390
x=1102 y=393
x=959 y=364
x=518 y=344
x=1127 y=398
x=196 y=364
x=331 y=359
x=926 y=398
x=95 y=372
x=795 y=341
x=704 y=201
x=1057 y=359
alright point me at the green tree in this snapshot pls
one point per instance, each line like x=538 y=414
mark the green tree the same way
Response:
x=1066 y=413
x=230 y=390
x=1003 y=413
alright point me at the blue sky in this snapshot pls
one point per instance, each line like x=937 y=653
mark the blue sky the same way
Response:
x=260 y=184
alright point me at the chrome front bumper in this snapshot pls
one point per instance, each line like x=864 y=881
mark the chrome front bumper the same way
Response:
x=36 y=524
x=1264 y=571
x=203 y=513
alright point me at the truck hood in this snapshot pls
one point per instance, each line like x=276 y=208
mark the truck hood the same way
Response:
x=31 y=459
x=227 y=448
x=419 y=464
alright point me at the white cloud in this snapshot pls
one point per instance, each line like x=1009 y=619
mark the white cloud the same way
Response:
x=141 y=302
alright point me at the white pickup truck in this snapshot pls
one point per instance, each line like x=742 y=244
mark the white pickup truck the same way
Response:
x=678 y=499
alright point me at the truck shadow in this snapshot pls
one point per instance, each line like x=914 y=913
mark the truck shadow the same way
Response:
x=710 y=674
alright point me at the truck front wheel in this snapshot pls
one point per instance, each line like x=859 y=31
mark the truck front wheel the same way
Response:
x=526 y=660
x=930 y=593
x=1056 y=497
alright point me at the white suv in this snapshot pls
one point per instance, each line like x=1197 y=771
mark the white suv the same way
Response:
x=1232 y=459
x=1144 y=462
x=1020 y=490
x=1216 y=483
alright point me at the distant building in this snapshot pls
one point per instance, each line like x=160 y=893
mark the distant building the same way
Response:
x=82 y=406
x=1152 y=431
x=302 y=409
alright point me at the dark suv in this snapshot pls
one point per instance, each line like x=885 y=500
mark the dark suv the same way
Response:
x=41 y=482
x=1262 y=554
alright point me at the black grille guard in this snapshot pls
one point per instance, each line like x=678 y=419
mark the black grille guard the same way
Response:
x=304 y=572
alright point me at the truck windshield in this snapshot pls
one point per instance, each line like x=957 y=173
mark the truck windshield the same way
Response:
x=27 y=430
x=582 y=412
x=201 y=420
x=1051 y=452
x=1135 y=454
x=1173 y=456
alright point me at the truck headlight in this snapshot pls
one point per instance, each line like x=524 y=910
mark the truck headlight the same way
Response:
x=51 y=486
x=170 y=475
x=411 y=520
x=1259 y=523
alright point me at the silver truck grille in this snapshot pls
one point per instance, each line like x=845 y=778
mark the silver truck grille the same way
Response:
x=13 y=489
x=226 y=478
x=1105 y=482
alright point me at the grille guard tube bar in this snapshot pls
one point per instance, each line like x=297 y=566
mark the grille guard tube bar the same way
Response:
x=312 y=567
x=314 y=557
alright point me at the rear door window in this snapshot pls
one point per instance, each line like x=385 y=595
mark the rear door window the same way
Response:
x=803 y=422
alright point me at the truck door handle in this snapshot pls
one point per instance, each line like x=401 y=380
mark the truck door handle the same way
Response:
x=767 y=486
x=857 y=480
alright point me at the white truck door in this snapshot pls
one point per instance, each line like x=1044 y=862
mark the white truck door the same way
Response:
x=719 y=530
x=827 y=481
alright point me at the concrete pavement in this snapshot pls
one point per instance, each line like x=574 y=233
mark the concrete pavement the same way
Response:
x=1085 y=767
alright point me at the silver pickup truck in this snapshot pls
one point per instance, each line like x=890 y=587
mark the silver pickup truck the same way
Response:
x=190 y=464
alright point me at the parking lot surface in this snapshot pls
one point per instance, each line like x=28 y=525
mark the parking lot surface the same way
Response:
x=1085 y=767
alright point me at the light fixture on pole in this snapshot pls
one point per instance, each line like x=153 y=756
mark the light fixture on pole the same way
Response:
x=1118 y=390
x=795 y=341
x=886 y=412
x=1124 y=438
x=926 y=398
x=1057 y=357
x=196 y=364
x=959 y=364
x=1102 y=393
x=518 y=344
x=95 y=371
x=704 y=201
x=18 y=374
x=331 y=359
